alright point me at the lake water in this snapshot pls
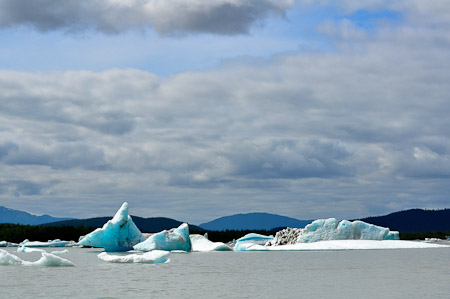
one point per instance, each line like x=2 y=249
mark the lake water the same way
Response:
x=394 y=273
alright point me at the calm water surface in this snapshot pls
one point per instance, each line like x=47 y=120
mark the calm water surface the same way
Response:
x=399 y=273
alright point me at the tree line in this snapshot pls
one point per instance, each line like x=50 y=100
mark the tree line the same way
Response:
x=16 y=233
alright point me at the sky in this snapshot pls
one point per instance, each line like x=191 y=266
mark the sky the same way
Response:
x=198 y=109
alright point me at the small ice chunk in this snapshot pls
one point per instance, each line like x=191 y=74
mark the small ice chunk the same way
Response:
x=50 y=260
x=3 y=243
x=244 y=243
x=118 y=234
x=65 y=251
x=151 y=257
x=174 y=239
x=202 y=244
x=46 y=260
x=28 y=250
x=7 y=258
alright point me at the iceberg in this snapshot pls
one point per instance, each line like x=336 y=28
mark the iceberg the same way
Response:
x=7 y=258
x=46 y=260
x=50 y=260
x=250 y=240
x=348 y=245
x=3 y=244
x=152 y=257
x=168 y=240
x=331 y=229
x=28 y=250
x=202 y=244
x=49 y=243
x=118 y=234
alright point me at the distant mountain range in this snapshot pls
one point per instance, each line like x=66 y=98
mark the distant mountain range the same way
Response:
x=20 y=217
x=256 y=221
x=414 y=220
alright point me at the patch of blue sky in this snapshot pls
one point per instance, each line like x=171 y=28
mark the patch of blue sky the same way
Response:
x=370 y=20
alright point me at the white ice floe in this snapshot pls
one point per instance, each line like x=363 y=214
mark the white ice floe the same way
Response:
x=331 y=229
x=26 y=249
x=174 y=239
x=118 y=234
x=50 y=260
x=249 y=240
x=3 y=244
x=7 y=258
x=202 y=244
x=152 y=257
x=347 y=245
x=65 y=251
x=49 y=243
x=46 y=260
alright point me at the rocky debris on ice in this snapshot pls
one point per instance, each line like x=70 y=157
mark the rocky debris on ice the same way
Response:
x=46 y=260
x=250 y=240
x=168 y=240
x=118 y=234
x=202 y=244
x=151 y=257
x=331 y=229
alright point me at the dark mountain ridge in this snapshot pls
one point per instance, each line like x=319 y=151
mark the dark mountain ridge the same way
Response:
x=414 y=220
x=147 y=225
x=256 y=221
x=20 y=217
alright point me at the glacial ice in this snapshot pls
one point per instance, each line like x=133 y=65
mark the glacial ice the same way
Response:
x=28 y=249
x=174 y=239
x=331 y=229
x=202 y=244
x=249 y=240
x=7 y=258
x=3 y=243
x=49 y=243
x=152 y=257
x=347 y=245
x=50 y=260
x=118 y=234
x=46 y=260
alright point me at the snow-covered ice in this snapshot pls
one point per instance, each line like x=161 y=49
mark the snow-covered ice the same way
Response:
x=46 y=260
x=347 y=245
x=27 y=249
x=247 y=241
x=332 y=229
x=202 y=244
x=118 y=234
x=3 y=243
x=174 y=239
x=7 y=258
x=151 y=257
x=65 y=251
x=49 y=243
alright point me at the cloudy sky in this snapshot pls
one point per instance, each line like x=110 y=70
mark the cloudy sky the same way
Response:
x=197 y=109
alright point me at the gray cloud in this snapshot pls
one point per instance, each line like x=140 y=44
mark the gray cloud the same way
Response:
x=166 y=17
x=360 y=131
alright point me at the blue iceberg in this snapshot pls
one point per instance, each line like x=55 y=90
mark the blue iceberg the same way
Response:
x=118 y=234
x=332 y=229
x=250 y=240
x=174 y=239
